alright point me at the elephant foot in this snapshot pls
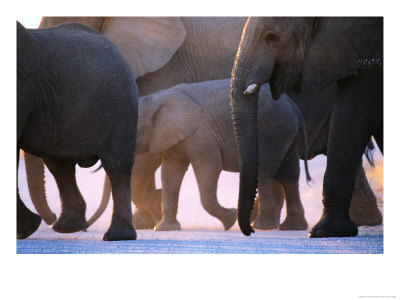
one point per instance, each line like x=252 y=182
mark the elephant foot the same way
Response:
x=120 y=231
x=143 y=219
x=70 y=222
x=266 y=223
x=166 y=225
x=229 y=218
x=334 y=225
x=294 y=223
x=27 y=225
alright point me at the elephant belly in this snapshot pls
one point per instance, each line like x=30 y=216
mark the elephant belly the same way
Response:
x=230 y=160
x=80 y=156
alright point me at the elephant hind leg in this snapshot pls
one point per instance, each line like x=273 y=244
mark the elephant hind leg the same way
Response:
x=363 y=208
x=27 y=221
x=121 y=227
x=269 y=209
x=288 y=175
x=207 y=179
x=73 y=207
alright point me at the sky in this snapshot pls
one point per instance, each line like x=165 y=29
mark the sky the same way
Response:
x=29 y=21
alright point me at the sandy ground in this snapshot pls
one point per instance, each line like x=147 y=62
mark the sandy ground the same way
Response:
x=201 y=233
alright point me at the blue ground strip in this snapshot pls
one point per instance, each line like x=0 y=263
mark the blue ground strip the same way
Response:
x=365 y=244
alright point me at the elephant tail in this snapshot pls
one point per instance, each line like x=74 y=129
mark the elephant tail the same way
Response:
x=304 y=136
x=103 y=203
x=303 y=131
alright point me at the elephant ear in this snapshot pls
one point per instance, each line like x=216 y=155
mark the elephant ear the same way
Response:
x=176 y=118
x=338 y=46
x=146 y=43
x=95 y=22
x=28 y=51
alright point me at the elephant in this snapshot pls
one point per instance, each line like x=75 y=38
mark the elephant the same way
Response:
x=191 y=123
x=191 y=49
x=76 y=104
x=161 y=52
x=363 y=209
x=305 y=55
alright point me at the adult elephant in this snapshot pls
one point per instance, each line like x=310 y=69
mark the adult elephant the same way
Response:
x=161 y=53
x=76 y=104
x=303 y=55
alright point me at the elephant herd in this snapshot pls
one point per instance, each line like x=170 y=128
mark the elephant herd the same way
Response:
x=248 y=95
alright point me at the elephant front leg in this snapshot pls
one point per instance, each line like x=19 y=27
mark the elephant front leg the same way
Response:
x=344 y=153
x=352 y=125
x=27 y=221
x=173 y=170
x=145 y=196
x=73 y=207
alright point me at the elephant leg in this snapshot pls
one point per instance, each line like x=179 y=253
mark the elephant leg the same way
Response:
x=363 y=208
x=272 y=150
x=207 y=179
x=73 y=207
x=269 y=213
x=173 y=169
x=145 y=196
x=143 y=219
x=288 y=175
x=256 y=209
x=121 y=227
x=27 y=221
x=34 y=168
x=278 y=197
x=353 y=122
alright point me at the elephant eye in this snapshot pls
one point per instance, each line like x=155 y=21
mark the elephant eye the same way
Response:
x=272 y=38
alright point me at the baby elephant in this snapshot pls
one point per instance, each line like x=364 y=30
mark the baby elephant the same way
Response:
x=76 y=103
x=191 y=123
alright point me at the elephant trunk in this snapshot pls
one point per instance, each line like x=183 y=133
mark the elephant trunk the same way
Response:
x=34 y=168
x=244 y=118
x=103 y=203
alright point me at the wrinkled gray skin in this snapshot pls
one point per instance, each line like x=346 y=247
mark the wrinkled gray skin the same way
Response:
x=161 y=52
x=76 y=103
x=191 y=123
x=303 y=55
x=196 y=55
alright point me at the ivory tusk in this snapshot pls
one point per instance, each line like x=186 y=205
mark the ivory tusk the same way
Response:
x=250 y=89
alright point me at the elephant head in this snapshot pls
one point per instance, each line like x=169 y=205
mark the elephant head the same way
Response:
x=293 y=55
x=165 y=118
